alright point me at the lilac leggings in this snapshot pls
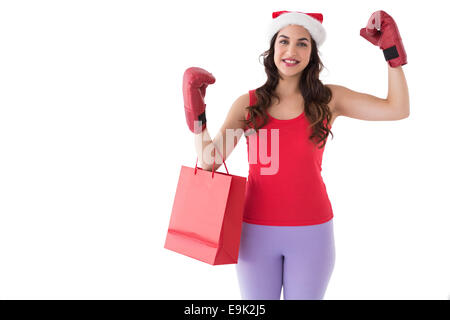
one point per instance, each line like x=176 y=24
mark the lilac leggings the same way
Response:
x=300 y=259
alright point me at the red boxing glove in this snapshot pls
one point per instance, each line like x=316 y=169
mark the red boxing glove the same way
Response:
x=382 y=31
x=195 y=81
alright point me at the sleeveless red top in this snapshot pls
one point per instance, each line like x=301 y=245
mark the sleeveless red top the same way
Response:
x=284 y=185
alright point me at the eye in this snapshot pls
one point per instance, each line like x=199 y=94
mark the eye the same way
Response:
x=302 y=44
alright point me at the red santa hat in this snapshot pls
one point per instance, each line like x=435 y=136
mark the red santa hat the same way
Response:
x=310 y=21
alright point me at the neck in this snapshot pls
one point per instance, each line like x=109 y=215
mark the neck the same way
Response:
x=288 y=87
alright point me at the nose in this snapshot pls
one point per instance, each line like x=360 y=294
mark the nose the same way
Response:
x=291 y=50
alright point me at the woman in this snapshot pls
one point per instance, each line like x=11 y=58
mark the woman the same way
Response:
x=287 y=233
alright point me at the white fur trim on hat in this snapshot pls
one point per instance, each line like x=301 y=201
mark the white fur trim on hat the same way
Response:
x=315 y=28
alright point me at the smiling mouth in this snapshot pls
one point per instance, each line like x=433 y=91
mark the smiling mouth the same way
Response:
x=290 y=64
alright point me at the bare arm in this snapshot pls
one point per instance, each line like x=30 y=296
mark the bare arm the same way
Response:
x=368 y=107
x=226 y=139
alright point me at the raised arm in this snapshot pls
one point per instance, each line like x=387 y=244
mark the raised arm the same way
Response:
x=381 y=30
x=226 y=139
x=364 y=106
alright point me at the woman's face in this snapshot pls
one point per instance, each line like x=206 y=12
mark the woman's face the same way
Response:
x=292 y=42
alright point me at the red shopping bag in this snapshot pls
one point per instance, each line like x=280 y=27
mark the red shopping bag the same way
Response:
x=207 y=214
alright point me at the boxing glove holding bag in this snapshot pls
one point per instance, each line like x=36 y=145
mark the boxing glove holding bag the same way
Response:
x=382 y=31
x=195 y=81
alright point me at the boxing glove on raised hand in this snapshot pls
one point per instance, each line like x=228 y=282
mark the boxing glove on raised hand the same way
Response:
x=382 y=31
x=195 y=81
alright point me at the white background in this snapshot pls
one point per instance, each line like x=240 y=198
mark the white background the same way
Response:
x=93 y=135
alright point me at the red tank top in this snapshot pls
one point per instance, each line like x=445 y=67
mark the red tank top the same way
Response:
x=290 y=191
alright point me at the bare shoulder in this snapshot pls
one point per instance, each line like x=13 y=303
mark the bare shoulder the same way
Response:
x=335 y=91
x=237 y=113
x=244 y=102
x=240 y=105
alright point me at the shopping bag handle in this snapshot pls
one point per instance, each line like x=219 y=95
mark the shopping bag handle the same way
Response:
x=214 y=164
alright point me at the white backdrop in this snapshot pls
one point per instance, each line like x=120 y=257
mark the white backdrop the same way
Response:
x=93 y=135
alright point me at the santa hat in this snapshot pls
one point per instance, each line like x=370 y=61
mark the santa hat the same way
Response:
x=310 y=21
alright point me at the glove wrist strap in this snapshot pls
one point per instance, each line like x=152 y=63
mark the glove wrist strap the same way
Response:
x=390 y=53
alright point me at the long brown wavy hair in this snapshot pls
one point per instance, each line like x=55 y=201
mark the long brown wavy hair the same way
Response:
x=316 y=96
